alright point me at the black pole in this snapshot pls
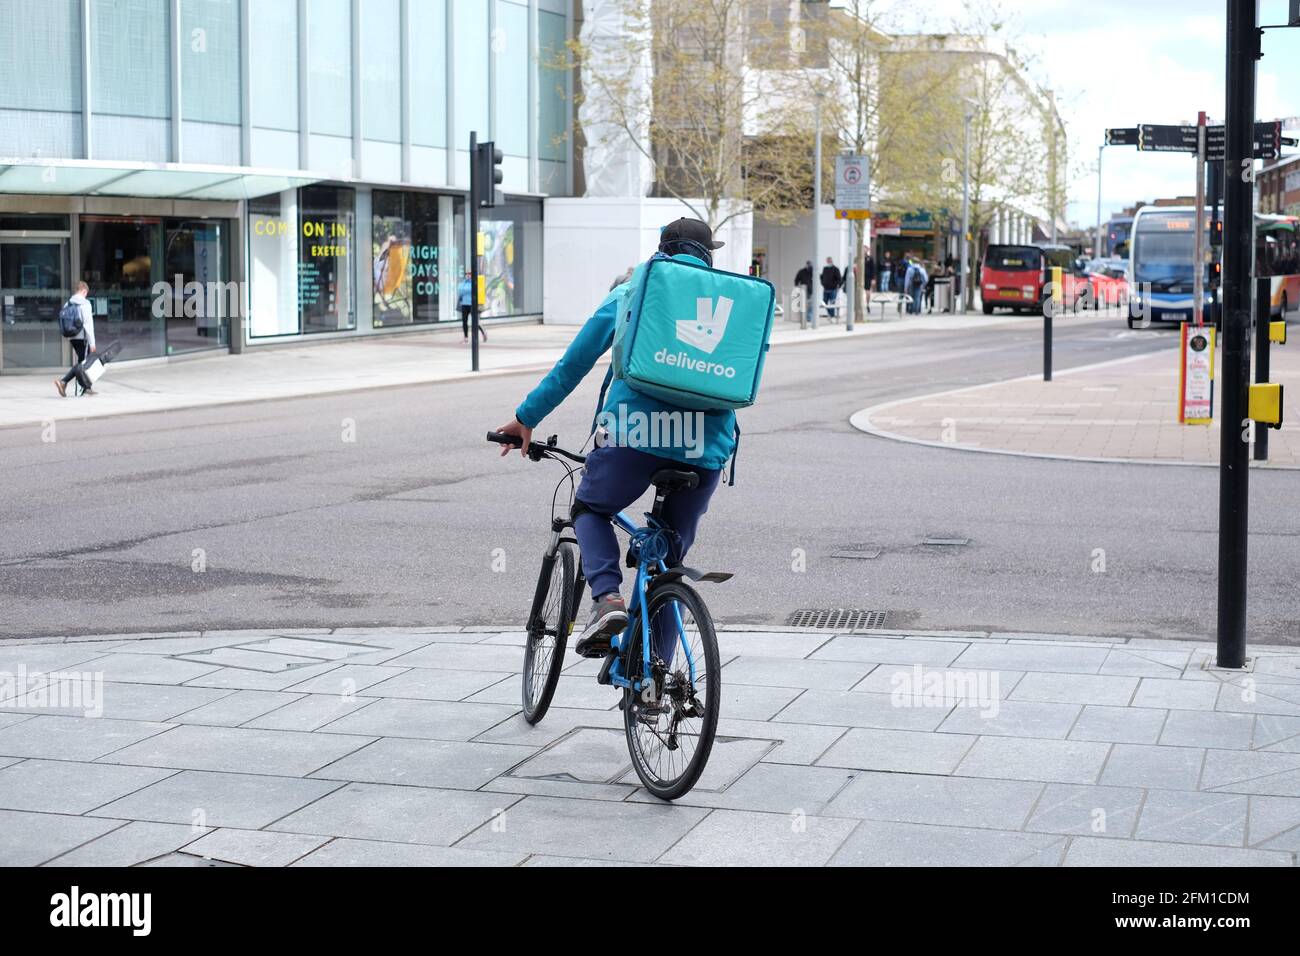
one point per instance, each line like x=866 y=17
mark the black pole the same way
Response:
x=1263 y=313
x=1238 y=232
x=474 y=188
x=1047 y=342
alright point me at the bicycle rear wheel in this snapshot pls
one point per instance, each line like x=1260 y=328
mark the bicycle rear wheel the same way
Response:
x=548 y=631
x=670 y=731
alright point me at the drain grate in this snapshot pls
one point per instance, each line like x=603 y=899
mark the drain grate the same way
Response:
x=837 y=617
x=861 y=552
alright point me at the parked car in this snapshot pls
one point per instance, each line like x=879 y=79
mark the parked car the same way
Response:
x=1108 y=280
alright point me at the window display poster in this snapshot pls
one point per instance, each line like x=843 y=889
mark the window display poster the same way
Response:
x=390 y=265
x=405 y=269
x=499 y=266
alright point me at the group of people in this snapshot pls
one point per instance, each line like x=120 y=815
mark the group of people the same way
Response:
x=910 y=275
x=832 y=279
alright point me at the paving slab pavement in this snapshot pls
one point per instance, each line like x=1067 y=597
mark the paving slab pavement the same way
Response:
x=1122 y=410
x=835 y=748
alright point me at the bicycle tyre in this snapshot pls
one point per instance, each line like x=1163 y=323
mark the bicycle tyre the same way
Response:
x=681 y=782
x=543 y=659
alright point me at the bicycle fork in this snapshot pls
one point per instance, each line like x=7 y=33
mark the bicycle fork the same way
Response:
x=537 y=614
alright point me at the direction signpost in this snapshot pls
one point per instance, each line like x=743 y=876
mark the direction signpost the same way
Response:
x=1268 y=139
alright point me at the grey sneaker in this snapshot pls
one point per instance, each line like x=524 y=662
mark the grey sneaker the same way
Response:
x=608 y=617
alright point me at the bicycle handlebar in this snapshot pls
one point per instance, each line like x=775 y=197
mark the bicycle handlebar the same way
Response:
x=536 y=450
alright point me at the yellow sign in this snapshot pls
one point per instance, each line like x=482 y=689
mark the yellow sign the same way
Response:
x=482 y=243
x=852 y=213
x=1265 y=404
x=482 y=290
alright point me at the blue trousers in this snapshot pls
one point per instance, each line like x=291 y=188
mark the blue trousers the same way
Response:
x=612 y=479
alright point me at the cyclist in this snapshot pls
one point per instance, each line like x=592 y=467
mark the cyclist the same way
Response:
x=619 y=469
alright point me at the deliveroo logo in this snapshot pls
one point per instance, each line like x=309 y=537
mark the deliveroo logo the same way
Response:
x=705 y=332
x=709 y=326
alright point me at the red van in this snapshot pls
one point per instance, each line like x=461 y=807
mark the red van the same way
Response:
x=1014 y=277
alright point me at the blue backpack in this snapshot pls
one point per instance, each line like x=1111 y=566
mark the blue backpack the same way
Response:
x=693 y=336
x=70 y=322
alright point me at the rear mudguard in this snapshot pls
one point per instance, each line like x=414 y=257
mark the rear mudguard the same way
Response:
x=682 y=571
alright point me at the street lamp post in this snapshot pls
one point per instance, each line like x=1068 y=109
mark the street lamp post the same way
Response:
x=1096 y=247
x=816 y=216
x=966 y=298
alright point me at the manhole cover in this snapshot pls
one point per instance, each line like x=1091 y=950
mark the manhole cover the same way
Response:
x=945 y=540
x=836 y=617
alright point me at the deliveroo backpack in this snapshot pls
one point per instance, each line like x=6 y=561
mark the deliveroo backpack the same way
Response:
x=693 y=336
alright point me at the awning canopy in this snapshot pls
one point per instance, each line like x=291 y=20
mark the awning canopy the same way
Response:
x=89 y=177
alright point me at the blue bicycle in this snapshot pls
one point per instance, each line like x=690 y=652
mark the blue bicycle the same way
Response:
x=666 y=662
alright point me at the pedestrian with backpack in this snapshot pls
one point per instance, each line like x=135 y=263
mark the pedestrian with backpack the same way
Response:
x=915 y=280
x=688 y=347
x=77 y=323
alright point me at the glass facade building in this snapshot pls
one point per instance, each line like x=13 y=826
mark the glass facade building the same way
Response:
x=230 y=173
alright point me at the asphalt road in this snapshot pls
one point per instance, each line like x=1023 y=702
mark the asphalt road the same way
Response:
x=265 y=515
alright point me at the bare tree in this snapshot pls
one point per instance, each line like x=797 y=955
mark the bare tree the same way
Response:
x=888 y=103
x=1018 y=147
x=714 y=139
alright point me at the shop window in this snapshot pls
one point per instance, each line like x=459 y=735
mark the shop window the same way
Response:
x=409 y=261
x=512 y=258
x=121 y=260
x=325 y=253
x=197 y=297
x=273 y=255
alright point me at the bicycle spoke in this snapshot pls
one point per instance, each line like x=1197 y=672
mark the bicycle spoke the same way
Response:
x=666 y=740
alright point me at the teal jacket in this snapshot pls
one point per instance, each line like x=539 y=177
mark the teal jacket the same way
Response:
x=634 y=420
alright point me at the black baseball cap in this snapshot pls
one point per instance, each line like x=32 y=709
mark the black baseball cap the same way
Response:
x=691 y=229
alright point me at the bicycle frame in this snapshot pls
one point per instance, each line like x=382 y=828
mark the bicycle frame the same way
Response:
x=639 y=617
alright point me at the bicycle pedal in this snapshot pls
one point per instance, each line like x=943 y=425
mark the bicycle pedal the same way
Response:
x=610 y=657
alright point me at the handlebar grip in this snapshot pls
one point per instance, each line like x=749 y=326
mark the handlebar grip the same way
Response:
x=501 y=438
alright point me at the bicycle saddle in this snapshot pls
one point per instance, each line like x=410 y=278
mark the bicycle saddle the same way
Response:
x=669 y=479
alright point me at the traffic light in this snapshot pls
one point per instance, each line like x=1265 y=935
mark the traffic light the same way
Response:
x=1216 y=233
x=486 y=175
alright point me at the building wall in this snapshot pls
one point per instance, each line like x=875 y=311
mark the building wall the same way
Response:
x=590 y=242
x=374 y=99
x=785 y=248
x=373 y=90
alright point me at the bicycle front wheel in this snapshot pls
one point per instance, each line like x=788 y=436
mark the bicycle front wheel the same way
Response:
x=548 y=631
x=671 y=723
